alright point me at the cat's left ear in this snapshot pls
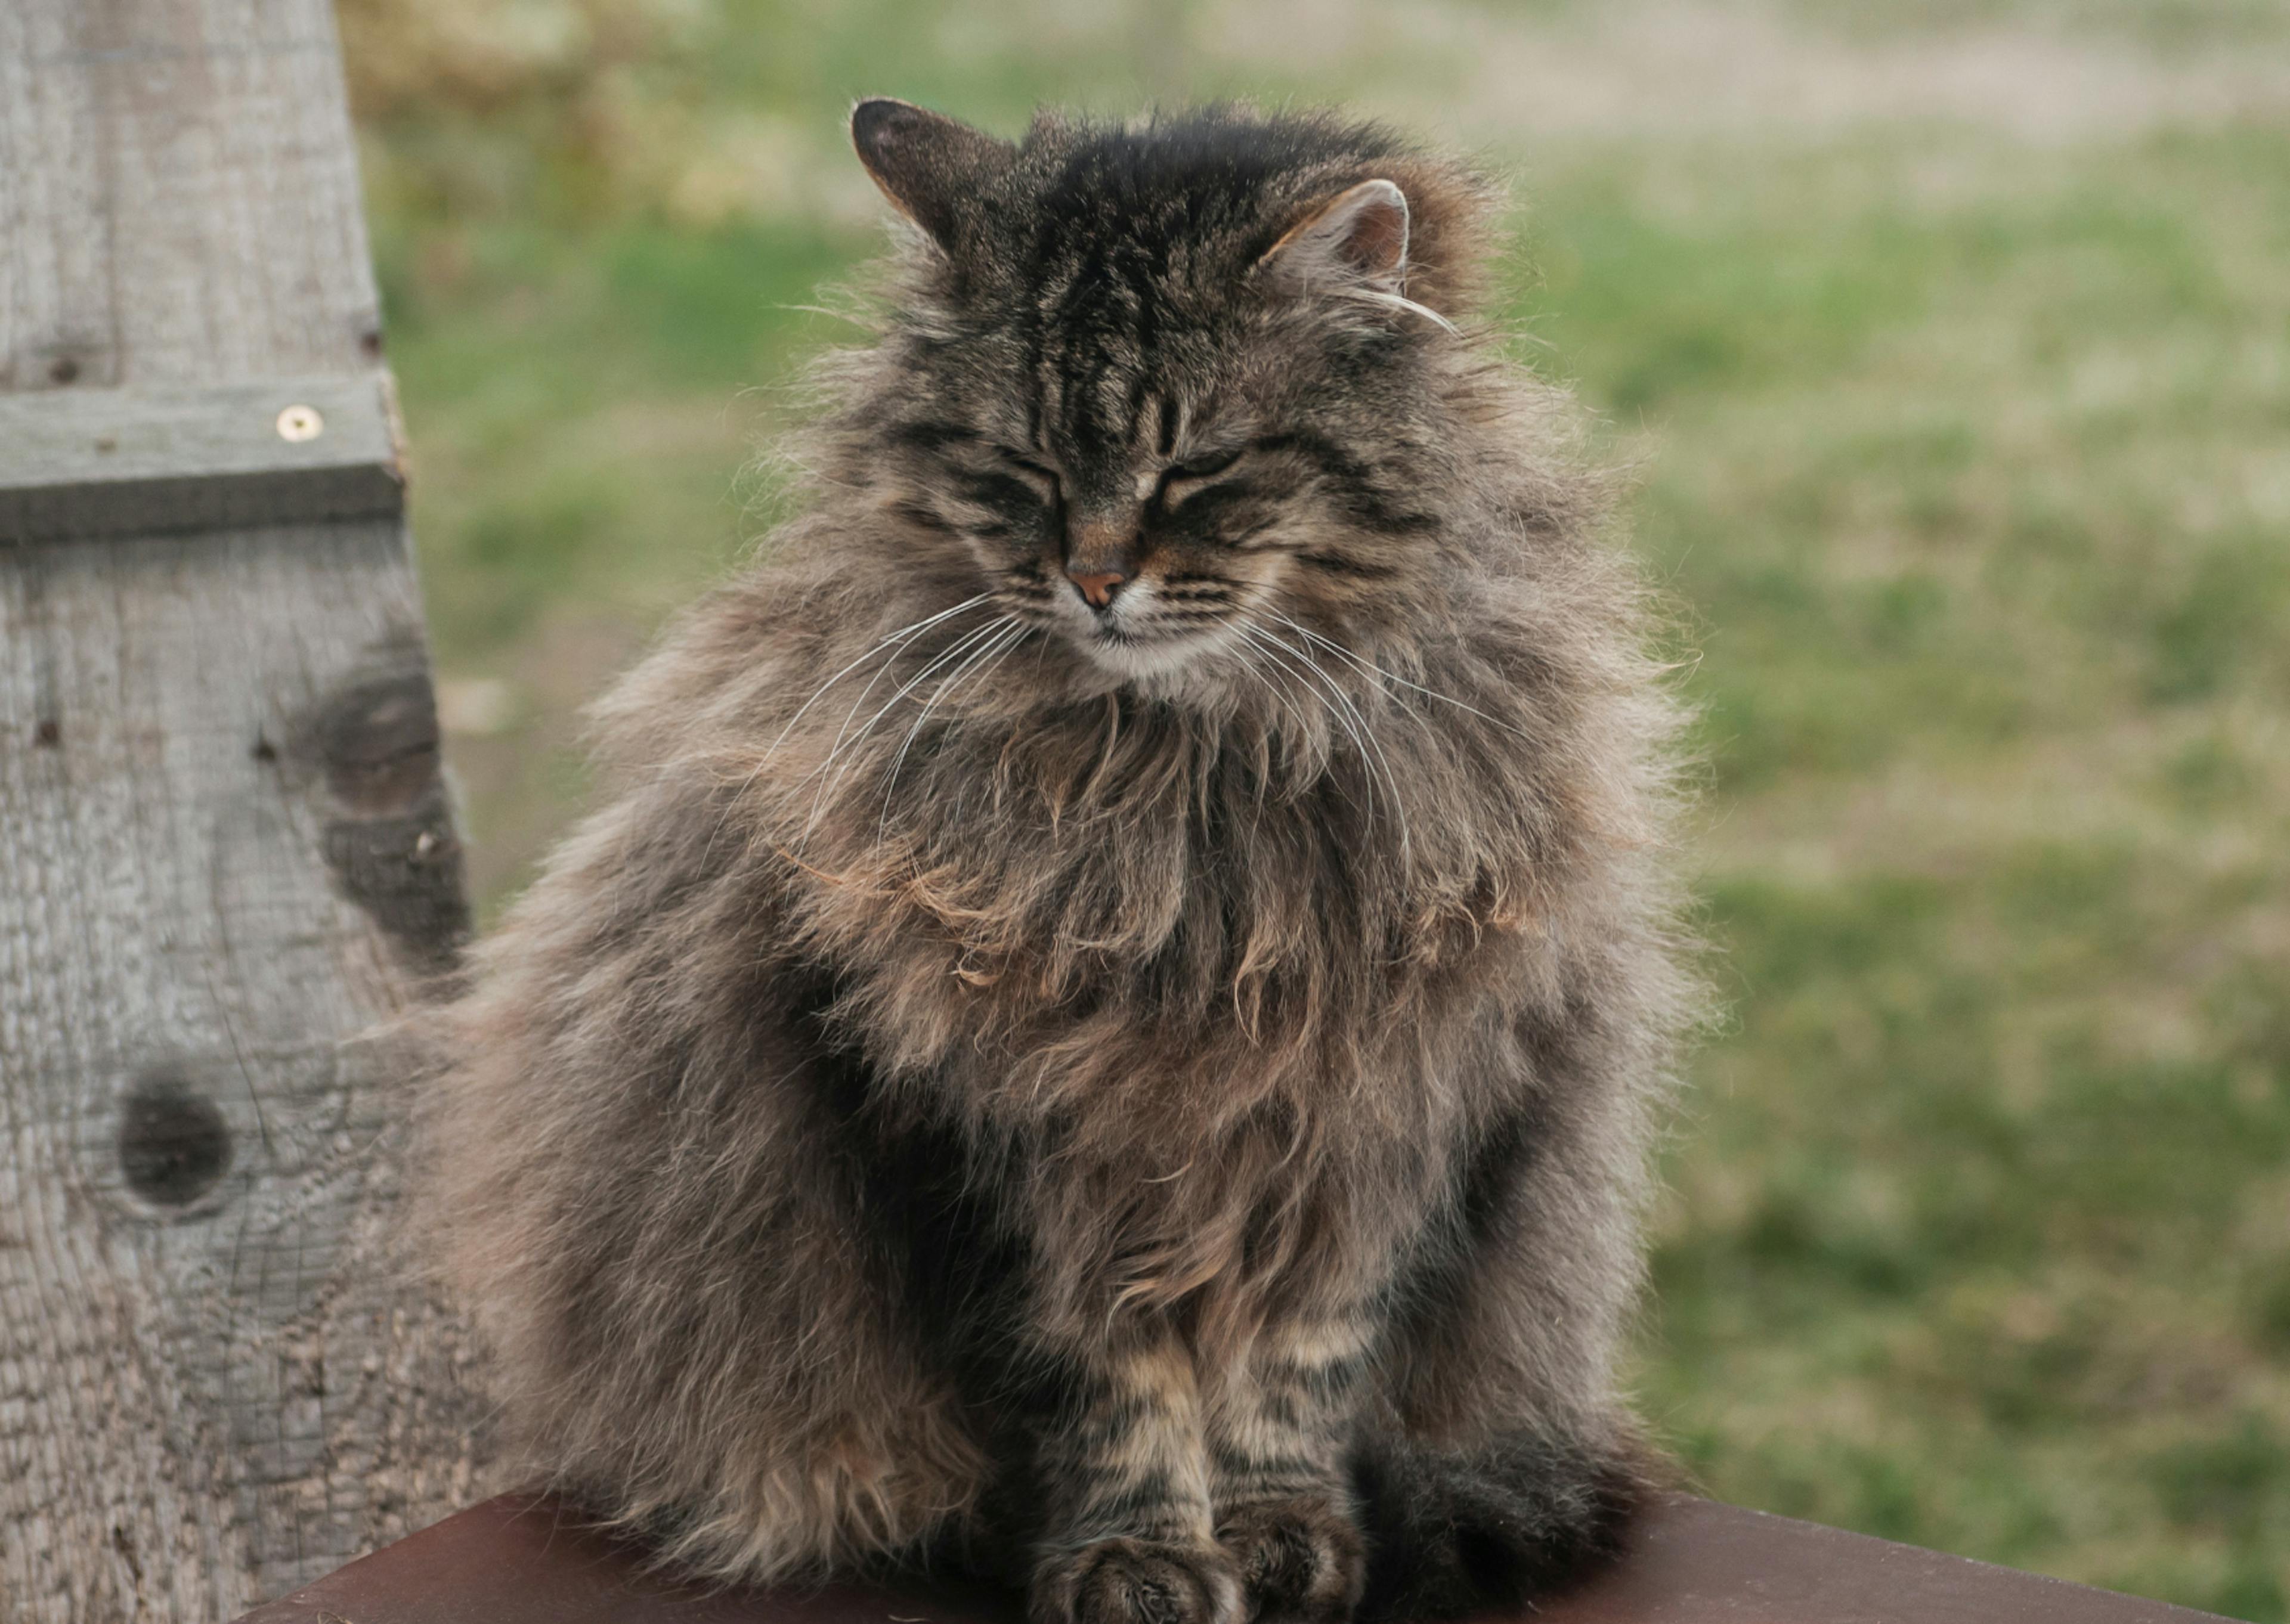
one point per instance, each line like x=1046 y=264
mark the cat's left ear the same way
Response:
x=929 y=166
x=1355 y=239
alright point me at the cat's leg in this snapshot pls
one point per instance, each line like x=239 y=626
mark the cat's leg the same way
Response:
x=1121 y=1478
x=1459 y=1527
x=1497 y=1461
x=1280 y=1427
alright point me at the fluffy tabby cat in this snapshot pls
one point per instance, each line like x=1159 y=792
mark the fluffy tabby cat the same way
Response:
x=1107 y=1030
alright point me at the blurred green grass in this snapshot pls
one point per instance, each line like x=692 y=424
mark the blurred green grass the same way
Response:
x=1964 y=439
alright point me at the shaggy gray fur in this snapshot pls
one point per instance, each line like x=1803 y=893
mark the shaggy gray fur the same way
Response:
x=1107 y=1027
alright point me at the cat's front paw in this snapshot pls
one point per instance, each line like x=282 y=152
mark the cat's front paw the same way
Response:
x=1301 y=1559
x=1138 y=1582
x=1456 y=1532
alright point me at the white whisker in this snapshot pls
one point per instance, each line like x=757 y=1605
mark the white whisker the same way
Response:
x=1262 y=672
x=1008 y=631
x=886 y=648
x=1254 y=668
x=1397 y=302
x=848 y=716
x=1363 y=733
x=1347 y=716
x=904 y=635
x=1286 y=666
x=1370 y=665
x=1335 y=647
x=841 y=749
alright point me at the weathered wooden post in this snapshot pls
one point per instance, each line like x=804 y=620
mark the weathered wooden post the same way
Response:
x=225 y=853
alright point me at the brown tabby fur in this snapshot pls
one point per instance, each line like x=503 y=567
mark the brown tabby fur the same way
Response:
x=1147 y=1106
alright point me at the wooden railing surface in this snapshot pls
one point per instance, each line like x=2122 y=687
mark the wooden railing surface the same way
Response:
x=517 y=1560
x=225 y=849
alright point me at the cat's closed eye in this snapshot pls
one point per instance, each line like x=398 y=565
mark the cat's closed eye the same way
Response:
x=1181 y=479
x=1038 y=476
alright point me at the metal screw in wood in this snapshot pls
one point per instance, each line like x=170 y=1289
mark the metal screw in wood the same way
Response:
x=299 y=423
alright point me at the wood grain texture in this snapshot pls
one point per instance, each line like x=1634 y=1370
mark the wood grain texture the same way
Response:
x=225 y=857
x=211 y=1387
x=106 y=462
x=178 y=197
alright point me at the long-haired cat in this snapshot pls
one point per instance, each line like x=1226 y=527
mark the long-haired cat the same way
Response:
x=1108 y=1028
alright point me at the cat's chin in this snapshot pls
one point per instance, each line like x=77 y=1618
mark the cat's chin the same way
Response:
x=1166 y=668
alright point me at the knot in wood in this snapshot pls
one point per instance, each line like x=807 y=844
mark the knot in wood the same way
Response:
x=174 y=1144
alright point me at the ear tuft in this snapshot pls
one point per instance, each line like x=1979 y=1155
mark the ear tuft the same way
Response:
x=1357 y=239
x=928 y=166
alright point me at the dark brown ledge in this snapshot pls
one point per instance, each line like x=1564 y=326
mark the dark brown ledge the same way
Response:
x=517 y=1560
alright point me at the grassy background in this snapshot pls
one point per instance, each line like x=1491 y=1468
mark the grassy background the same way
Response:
x=1953 y=338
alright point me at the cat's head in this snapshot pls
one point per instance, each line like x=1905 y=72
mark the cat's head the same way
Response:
x=1165 y=386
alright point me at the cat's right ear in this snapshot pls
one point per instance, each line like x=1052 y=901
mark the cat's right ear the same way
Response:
x=1357 y=238
x=927 y=164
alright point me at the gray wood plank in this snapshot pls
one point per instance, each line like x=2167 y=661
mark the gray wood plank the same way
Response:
x=226 y=855
x=102 y=463
x=178 y=195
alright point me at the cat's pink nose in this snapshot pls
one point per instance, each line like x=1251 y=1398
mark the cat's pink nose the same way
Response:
x=1097 y=588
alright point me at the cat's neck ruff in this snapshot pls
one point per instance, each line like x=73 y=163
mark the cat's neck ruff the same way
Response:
x=1298 y=905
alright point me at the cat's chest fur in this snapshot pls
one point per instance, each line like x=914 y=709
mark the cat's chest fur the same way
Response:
x=1163 y=933
x=1194 y=1073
